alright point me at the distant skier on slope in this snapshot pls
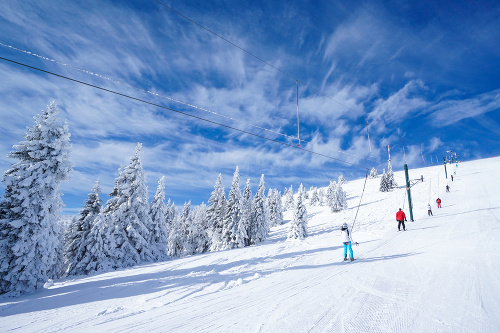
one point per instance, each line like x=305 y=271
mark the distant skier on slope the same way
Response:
x=438 y=201
x=451 y=177
x=429 y=210
x=447 y=188
x=347 y=240
x=401 y=218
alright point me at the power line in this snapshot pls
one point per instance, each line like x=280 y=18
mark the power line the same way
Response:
x=180 y=112
x=178 y=101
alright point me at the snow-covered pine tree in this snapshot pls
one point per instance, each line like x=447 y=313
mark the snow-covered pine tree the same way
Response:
x=383 y=183
x=199 y=230
x=314 y=197
x=32 y=205
x=330 y=193
x=339 y=200
x=271 y=207
x=232 y=217
x=321 y=196
x=275 y=208
x=185 y=225
x=246 y=212
x=341 y=180
x=158 y=234
x=298 y=225
x=260 y=226
x=175 y=236
x=215 y=213
x=170 y=213
x=115 y=195
x=305 y=194
x=130 y=215
x=289 y=203
x=100 y=248
x=373 y=173
x=391 y=182
x=77 y=235
x=57 y=270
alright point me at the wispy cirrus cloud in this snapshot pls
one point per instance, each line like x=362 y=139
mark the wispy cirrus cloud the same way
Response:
x=449 y=112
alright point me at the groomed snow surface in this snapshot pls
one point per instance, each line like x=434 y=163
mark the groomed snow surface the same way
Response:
x=441 y=275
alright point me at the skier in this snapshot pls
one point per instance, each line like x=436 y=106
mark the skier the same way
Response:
x=422 y=178
x=438 y=201
x=451 y=177
x=429 y=210
x=347 y=240
x=447 y=188
x=401 y=218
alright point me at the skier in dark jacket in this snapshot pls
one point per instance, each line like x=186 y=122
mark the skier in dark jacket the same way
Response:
x=401 y=218
x=447 y=188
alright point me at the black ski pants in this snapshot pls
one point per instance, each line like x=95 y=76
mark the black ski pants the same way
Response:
x=399 y=224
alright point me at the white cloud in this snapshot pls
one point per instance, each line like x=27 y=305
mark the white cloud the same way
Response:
x=451 y=111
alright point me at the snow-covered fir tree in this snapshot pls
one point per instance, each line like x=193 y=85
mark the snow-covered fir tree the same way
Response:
x=314 y=201
x=330 y=193
x=246 y=220
x=199 y=229
x=185 y=225
x=77 y=235
x=170 y=214
x=373 y=173
x=391 y=182
x=115 y=195
x=158 y=234
x=260 y=227
x=271 y=207
x=298 y=225
x=321 y=196
x=130 y=214
x=275 y=208
x=100 y=247
x=341 y=180
x=289 y=202
x=175 y=238
x=232 y=217
x=32 y=205
x=339 y=199
x=384 y=186
x=215 y=213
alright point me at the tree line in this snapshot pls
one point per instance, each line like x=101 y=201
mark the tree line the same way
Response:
x=126 y=230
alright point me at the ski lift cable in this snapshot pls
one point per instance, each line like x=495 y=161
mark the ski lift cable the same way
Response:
x=291 y=137
x=359 y=204
x=298 y=122
x=180 y=112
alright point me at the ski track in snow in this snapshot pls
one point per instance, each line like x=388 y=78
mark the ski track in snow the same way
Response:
x=441 y=275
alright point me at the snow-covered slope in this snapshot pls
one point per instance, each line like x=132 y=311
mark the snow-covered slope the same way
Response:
x=442 y=275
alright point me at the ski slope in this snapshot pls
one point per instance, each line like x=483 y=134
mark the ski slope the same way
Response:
x=441 y=275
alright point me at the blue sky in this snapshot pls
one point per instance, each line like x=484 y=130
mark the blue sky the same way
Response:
x=424 y=71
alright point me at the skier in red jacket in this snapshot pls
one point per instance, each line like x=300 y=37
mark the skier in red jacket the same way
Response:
x=438 y=201
x=401 y=218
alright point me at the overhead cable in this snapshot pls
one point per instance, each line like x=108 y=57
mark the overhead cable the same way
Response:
x=180 y=112
x=178 y=101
